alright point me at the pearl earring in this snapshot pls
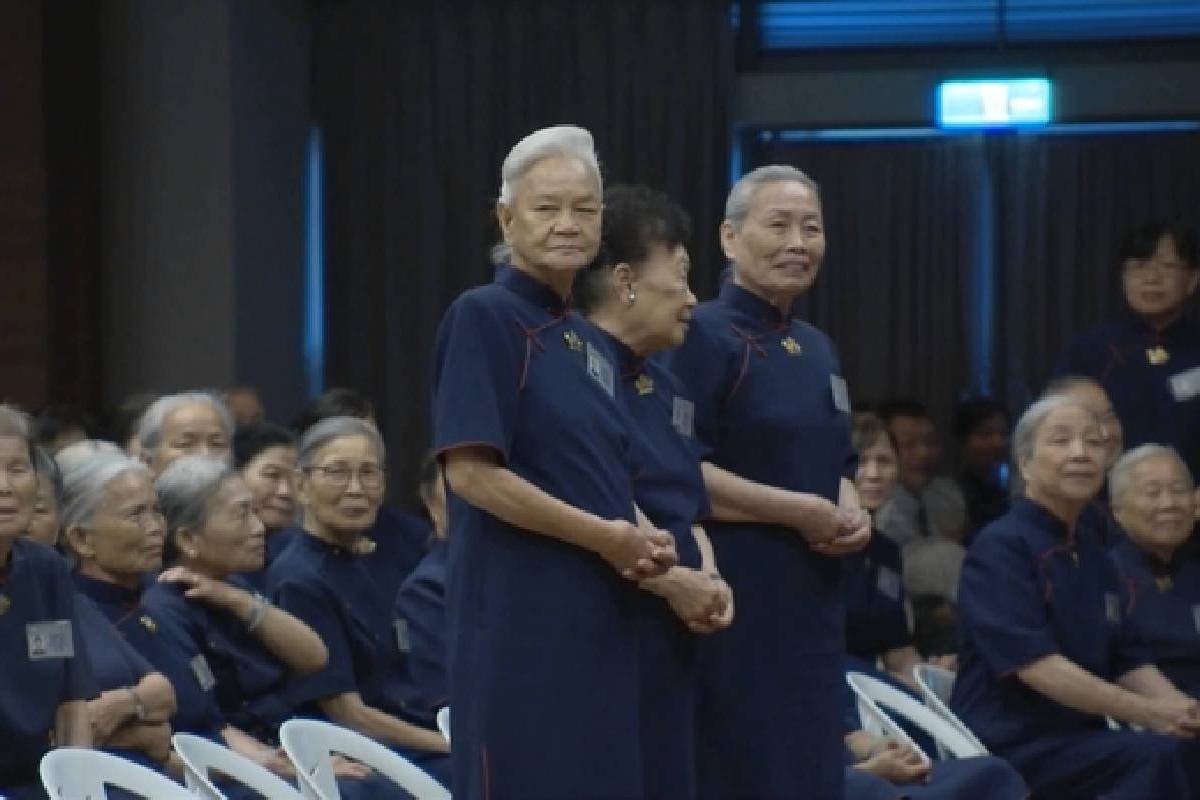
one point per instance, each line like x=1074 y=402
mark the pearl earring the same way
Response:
x=631 y=298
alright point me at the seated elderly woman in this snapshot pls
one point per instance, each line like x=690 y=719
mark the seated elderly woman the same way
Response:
x=322 y=577
x=265 y=455
x=188 y=423
x=1046 y=650
x=47 y=677
x=1151 y=491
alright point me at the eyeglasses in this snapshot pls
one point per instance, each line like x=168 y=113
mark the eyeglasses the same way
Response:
x=370 y=476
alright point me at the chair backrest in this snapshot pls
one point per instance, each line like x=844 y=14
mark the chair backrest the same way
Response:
x=201 y=757
x=936 y=685
x=75 y=773
x=887 y=698
x=309 y=743
x=443 y=721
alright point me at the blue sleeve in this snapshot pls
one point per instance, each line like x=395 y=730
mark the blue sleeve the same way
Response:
x=1133 y=649
x=197 y=709
x=477 y=377
x=701 y=366
x=79 y=683
x=1002 y=606
x=310 y=605
x=421 y=604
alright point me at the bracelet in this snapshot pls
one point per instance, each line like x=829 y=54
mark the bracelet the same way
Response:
x=139 y=708
x=258 y=613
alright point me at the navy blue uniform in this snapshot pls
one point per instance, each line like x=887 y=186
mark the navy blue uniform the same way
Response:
x=1156 y=402
x=770 y=406
x=37 y=598
x=669 y=489
x=277 y=542
x=1164 y=608
x=335 y=593
x=420 y=617
x=1029 y=590
x=544 y=679
x=876 y=620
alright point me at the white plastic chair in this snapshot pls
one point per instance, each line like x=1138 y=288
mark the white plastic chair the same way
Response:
x=936 y=685
x=76 y=773
x=310 y=743
x=875 y=695
x=201 y=758
x=443 y=721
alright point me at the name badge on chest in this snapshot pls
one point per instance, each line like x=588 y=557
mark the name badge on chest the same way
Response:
x=841 y=393
x=1112 y=608
x=203 y=673
x=1185 y=385
x=600 y=368
x=888 y=583
x=47 y=640
x=403 y=642
x=683 y=417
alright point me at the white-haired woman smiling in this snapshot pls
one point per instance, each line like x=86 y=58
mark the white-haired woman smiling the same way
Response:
x=1047 y=652
x=1151 y=496
x=545 y=546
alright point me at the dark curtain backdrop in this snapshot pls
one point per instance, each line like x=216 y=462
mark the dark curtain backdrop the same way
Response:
x=1065 y=202
x=420 y=101
x=895 y=292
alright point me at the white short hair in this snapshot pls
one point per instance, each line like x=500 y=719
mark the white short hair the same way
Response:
x=149 y=429
x=1120 y=477
x=86 y=485
x=559 y=140
x=737 y=204
x=1024 y=438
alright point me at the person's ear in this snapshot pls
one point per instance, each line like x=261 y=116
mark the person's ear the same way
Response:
x=729 y=236
x=79 y=541
x=504 y=216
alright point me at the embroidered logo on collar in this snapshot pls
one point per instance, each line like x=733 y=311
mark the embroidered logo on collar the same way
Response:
x=573 y=340
x=644 y=384
x=792 y=347
x=1164 y=583
x=1157 y=356
x=5 y=604
x=364 y=547
x=148 y=623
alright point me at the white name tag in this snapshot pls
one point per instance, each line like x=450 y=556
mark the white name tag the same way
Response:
x=403 y=643
x=203 y=674
x=1196 y=617
x=46 y=640
x=888 y=583
x=600 y=368
x=1185 y=385
x=683 y=417
x=1112 y=608
x=841 y=393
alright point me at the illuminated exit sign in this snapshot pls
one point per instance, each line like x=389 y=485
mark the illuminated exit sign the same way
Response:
x=993 y=103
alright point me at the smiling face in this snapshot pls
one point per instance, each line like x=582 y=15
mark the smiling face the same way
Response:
x=337 y=504
x=877 y=471
x=1067 y=462
x=778 y=249
x=233 y=538
x=1156 y=509
x=271 y=476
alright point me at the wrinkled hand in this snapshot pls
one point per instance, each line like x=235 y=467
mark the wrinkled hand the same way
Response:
x=721 y=619
x=814 y=518
x=108 y=713
x=692 y=595
x=208 y=590
x=637 y=553
x=1173 y=716
x=854 y=533
x=897 y=763
x=153 y=739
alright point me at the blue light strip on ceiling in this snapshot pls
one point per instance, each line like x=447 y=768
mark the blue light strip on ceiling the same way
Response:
x=1065 y=128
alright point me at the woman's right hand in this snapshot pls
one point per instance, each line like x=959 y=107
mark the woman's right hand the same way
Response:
x=897 y=763
x=814 y=518
x=635 y=553
x=1173 y=716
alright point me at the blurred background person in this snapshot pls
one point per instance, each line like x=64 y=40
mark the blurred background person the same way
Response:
x=981 y=432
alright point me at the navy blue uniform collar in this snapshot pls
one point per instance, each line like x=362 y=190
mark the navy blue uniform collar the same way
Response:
x=318 y=545
x=1150 y=562
x=752 y=305
x=631 y=363
x=1179 y=330
x=104 y=592
x=1026 y=510
x=530 y=288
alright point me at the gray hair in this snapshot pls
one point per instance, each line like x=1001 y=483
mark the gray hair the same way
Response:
x=1120 y=477
x=558 y=140
x=185 y=490
x=149 y=429
x=1025 y=433
x=77 y=453
x=85 y=485
x=325 y=431
x=737 y=204
x=16 y=423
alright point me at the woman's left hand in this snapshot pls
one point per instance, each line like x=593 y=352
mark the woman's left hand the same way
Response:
x=208 y=590
x=723 y=617
x=854 y=534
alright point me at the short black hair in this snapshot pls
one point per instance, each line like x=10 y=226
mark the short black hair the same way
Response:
x=635 y=218
x=975 y=411
x=251 y=440
x=45 y=465
x=123 y=421
x=901 y=407
x=1142 y=241
x=59 y=417
x=339 y=402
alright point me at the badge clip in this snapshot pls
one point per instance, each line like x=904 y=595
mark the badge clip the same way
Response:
x=1157 y=356
x=792 y=347
x=573 y=341
x=644 y=384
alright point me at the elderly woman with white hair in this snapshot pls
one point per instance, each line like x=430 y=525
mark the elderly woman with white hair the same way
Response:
x=324 y=579
x=1151 y=496
x=1047 y=651
x=545 y=542
x=43 y=657
x=193 y=423
x=771 y=422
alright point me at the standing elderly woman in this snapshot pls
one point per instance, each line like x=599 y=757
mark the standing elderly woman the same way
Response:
x=47 y=678
x=1046 y=650
x=544 y=543
x=771 y=421
x=637 y=293
x=188 y=423
x=1151 y=492
x=324 y=580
